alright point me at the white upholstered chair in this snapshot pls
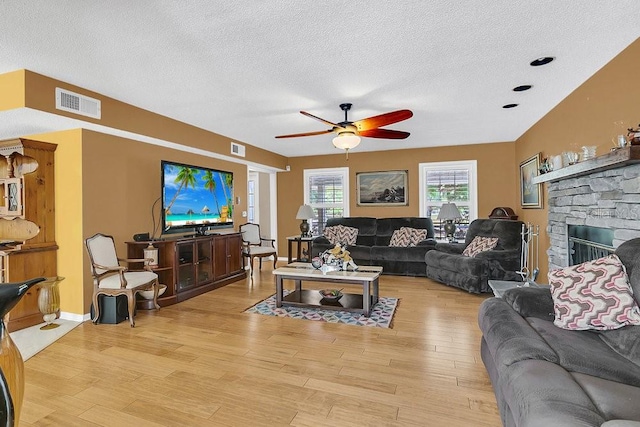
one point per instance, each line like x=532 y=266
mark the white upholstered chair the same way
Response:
x=254 y=245
x=111 y=279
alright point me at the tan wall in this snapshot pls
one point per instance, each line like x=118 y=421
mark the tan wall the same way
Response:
x=40 y=94
x=585 y=117
x=108 y=184
x=12 y=94
x=497 y=185
x=121 y=181
x=68 y=208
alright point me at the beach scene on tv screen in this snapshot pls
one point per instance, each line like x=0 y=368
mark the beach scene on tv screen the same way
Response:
x=196 y=196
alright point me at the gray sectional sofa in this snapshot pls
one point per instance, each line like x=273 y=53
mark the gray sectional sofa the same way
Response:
x=372 y=245
x=543 y=375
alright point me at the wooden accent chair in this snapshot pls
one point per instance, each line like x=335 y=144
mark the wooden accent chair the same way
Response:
x=254 y=245
x=111 y=279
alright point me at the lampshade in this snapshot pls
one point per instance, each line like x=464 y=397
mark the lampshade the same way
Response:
x=449 y=211
x=305 y=212
x=346 y=141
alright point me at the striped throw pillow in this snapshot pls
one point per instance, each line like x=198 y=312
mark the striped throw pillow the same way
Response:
x=341 y=234
x=417 y=235
x=401 y=238
x=480 y=244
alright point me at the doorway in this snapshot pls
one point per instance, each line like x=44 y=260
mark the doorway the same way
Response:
x=262 y=201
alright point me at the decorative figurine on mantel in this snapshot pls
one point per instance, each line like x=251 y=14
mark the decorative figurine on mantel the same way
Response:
x=634 y=136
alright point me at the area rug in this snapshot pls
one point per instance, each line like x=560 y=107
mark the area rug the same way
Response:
x=381 y=314
x=32 y=340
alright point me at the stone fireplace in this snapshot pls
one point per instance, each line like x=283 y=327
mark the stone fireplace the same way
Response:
x=604 y=199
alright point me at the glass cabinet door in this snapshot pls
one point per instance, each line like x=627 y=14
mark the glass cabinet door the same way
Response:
x=11 y=197
x=204 y=265
x=186 y=267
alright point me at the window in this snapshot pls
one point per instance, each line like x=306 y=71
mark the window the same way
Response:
x=445 y=182
x=251 y=195
x=327 y=192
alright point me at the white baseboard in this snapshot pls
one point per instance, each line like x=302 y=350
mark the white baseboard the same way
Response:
x=75 y=317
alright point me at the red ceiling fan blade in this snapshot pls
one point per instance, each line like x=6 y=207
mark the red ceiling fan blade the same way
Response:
x=383 y=120
x=384 y=133
x=327 y=122
x=296 y=135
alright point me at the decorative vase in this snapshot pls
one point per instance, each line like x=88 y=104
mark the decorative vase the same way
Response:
x=224 y=213
x=11 y=361
x=49 y=301
x=316 y=262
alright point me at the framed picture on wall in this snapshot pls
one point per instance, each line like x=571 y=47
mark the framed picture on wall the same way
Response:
x=387 y=188
x=530 y=193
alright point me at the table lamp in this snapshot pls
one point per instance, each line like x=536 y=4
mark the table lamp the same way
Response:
x=305 y=212
x=449 y=213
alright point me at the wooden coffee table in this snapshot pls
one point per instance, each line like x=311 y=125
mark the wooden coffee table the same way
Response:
x=366 y=276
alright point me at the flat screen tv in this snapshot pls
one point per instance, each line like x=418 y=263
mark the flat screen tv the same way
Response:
x=195 y=198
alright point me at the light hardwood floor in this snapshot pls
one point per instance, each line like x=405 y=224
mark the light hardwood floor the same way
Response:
x=204 y=362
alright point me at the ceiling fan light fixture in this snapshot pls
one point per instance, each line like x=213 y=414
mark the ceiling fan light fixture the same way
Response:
x=346 y=140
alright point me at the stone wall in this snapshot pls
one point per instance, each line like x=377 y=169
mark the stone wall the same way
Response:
x=609 y=199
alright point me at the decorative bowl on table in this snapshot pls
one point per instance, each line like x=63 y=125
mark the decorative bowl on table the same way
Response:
x=331 y=294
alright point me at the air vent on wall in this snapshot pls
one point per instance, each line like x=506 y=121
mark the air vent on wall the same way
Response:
x=78 y=104
x=237 y=149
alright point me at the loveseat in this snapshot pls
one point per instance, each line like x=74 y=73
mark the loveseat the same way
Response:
x=372 y=243
x=449 y=265
x=545 y=375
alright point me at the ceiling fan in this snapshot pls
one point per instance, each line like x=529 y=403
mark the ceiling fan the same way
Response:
x=349 y=133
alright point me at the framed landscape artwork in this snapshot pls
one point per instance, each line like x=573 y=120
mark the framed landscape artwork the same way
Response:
x=382 y=188
x=530 y=193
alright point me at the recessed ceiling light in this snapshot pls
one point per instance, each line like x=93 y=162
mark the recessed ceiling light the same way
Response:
x=522 y=88
x=542 y=61
x=510 y=106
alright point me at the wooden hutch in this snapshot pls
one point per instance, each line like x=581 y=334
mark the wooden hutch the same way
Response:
x=28 y=246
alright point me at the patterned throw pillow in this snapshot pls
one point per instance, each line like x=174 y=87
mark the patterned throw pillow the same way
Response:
x=593 y=295
x=480 y=244
x=401 y=238
x=341 y=234
x=417 y=235
x=407 y=236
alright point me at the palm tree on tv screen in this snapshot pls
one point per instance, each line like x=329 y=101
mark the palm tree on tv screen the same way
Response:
x=227 y=182
x=186 y=177
x=210 y=184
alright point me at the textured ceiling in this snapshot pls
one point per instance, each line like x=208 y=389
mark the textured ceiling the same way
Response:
x=245 y=68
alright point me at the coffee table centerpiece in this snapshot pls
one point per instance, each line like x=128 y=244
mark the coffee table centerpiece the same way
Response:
x=336 y=258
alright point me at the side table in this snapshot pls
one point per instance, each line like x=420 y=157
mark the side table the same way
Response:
x=499 y=287
x=299 y=240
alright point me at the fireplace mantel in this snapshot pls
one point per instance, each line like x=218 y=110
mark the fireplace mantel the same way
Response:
x=614 y=159
x=603 y=192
